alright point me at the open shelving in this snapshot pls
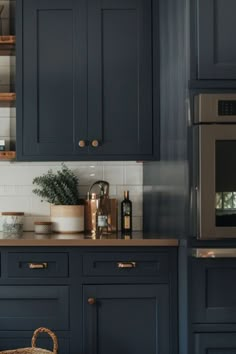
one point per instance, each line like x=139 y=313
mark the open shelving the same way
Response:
x=7 y=155
x=7 y=45
x=7 y=48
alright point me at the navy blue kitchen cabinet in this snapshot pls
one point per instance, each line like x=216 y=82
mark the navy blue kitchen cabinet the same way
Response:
x=96 y=301
x=213 y=305
x=34 y=292
x=126 y=319
x=130 y=302
x=213 y=40
x=85 y=80
x=214 y=291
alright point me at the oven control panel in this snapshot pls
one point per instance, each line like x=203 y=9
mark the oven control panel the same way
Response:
x=227 y=107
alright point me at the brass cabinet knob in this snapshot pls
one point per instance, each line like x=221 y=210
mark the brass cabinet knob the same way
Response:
x=91 y=301
x=82 y=143
x=95 y=143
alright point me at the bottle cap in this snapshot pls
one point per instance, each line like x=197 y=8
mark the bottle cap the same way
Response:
x=126 y=194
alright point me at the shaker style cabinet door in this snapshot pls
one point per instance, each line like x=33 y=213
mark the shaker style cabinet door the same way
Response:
x=213 y=291
x=84 y=80
x=216 y=28
x=51 y=78
x=127 y=319
x=120 y=77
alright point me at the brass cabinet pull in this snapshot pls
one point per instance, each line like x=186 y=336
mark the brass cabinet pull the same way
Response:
x=95 y=143
x=91 y=301
x=82 y=143
x=43 y=265
x=126 y=264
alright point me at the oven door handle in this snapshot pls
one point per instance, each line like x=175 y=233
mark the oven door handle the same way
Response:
x=214 y=252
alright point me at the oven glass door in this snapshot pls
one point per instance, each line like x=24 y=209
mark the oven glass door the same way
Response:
x=217 y=181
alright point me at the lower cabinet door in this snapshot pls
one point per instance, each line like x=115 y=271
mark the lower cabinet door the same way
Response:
x=26 y=307
x=127 y=319
x=214 y=290
x=215 y=343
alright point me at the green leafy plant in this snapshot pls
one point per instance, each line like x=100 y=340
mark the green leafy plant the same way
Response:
x=59 y=188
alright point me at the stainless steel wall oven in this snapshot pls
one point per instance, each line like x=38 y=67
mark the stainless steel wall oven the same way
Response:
x=215 y=129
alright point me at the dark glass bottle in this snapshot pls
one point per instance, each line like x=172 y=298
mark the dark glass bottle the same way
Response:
x=126 y=215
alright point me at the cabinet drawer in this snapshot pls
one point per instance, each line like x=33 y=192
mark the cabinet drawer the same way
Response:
x=28 y=307
x=34 y=264
x=126 y=264
x=214 y=290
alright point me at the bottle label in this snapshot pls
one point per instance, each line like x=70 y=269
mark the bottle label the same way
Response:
x=127 y=222
x=126 y=209
x=102 y=220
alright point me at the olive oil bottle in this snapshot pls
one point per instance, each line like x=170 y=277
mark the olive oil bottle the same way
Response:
x=126 y=215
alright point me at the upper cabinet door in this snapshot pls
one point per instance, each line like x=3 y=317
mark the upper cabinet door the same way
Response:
x=216 y=28
x=51 y=78
x=84 y=80
x=120 y=77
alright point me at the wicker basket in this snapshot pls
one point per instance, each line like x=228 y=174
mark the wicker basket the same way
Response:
x=33 y=349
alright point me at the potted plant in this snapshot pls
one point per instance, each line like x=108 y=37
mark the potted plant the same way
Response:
x=60 y=189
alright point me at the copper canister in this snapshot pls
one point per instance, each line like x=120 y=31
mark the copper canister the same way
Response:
x=90 y=214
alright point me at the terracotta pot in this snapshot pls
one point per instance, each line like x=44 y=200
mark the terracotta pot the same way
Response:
x=67 y=219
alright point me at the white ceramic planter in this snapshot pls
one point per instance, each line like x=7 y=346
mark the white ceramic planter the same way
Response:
x=67 y=219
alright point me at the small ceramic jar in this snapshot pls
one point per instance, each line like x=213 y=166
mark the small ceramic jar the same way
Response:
x=43 y=227
x=12 y=222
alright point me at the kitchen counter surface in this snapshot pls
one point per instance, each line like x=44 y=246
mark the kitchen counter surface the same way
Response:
x=32 y=239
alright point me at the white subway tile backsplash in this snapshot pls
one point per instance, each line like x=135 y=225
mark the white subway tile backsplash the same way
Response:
x=113 y=191
x=8 y=127
x=113 y=174
x=5 y=127
x=16 y=184
x=15 y=203
x=29 y=221
x=133 y=174
x=5 y=75
x=15 y=190
x=6 y=60
x=133 y=190
x=38 y=207
x=7 y=112
x=89 y=174
x=137 y=223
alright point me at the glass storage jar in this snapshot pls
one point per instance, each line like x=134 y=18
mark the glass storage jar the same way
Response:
x=12 y=222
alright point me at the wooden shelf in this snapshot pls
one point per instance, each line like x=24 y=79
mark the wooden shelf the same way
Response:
x=7 y=96
x=7 y=45
x=7 y=40
x=7 y=155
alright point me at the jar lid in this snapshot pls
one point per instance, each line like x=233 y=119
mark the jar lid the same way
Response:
x=12 y=213
x=42 y=223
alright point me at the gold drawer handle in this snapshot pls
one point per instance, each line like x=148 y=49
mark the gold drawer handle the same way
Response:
x=126 y=265
x=43 y=265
